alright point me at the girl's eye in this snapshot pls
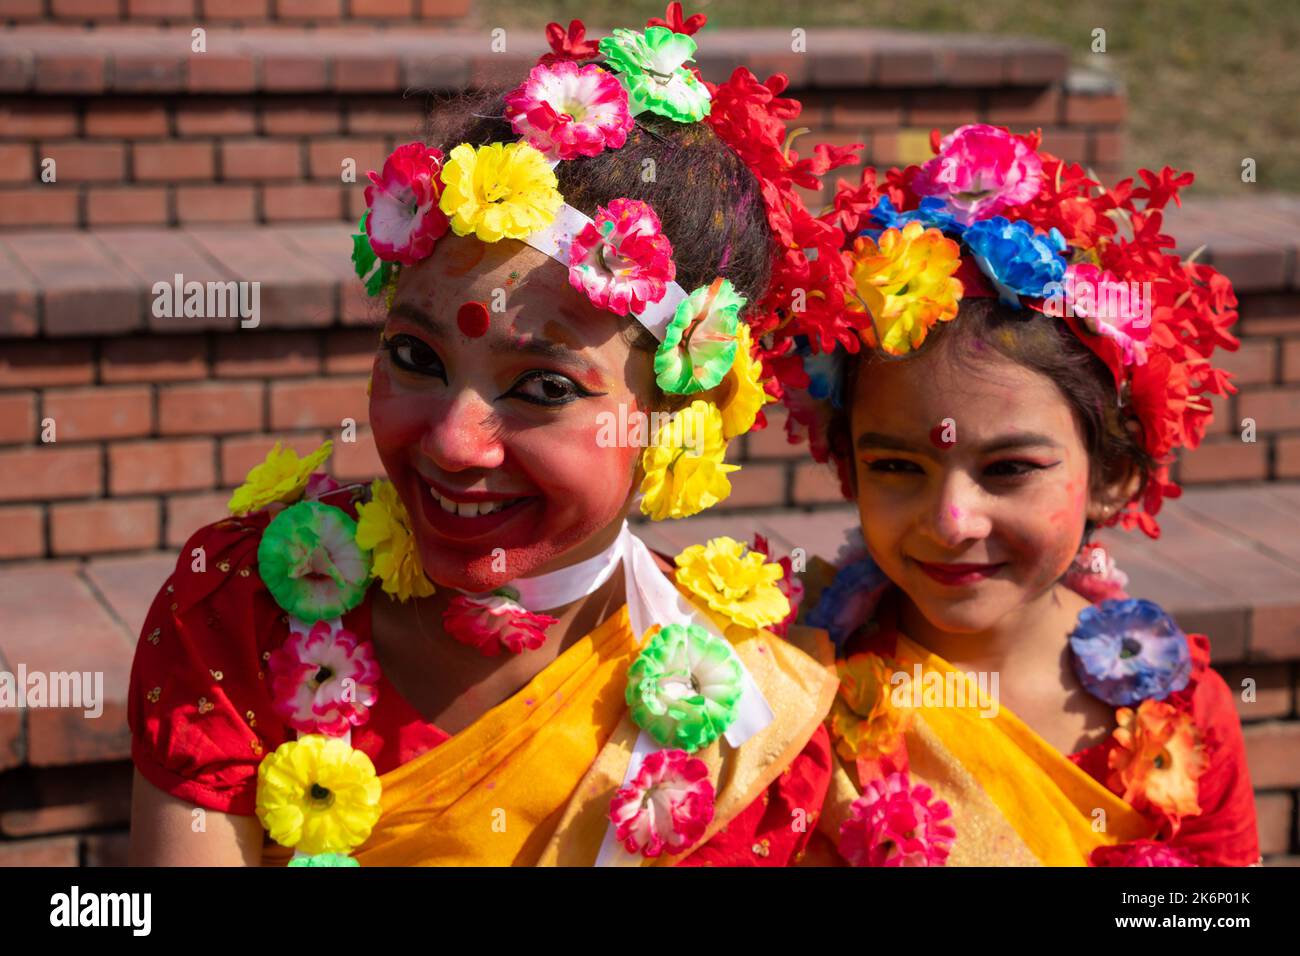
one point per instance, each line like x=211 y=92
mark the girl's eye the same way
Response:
x=894 y=466
x=413 y=355
x=549 y=389
x=1013 y=468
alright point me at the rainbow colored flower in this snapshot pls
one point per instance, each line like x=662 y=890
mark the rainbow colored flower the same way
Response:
x=666 y=807
x=566 y=110
x=323 y=679
x=494 y=622
x=403 y=220
x=622 y=260
x=896 y=824
x=979 y=171
x=684 y=687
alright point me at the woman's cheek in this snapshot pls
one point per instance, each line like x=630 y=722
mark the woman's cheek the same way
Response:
x=575 y=471
x=397 y=419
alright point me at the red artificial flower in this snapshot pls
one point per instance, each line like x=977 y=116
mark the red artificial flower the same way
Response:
x=572 y=45
x=672 y=19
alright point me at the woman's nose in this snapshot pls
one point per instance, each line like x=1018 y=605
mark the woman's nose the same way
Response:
x=957 y=514
x=465 y=436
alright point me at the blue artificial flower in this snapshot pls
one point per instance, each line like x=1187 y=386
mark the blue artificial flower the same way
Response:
x=1016 y=259
x=1130 y=650
x=932 y=213
x=849 y=600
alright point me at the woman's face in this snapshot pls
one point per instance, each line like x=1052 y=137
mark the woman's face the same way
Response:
x=972 y=482
x=491 y=438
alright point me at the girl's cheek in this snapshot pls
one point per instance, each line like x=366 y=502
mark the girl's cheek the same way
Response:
x=1058 y=523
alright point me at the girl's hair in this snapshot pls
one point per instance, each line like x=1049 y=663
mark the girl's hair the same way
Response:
x=1047 y=346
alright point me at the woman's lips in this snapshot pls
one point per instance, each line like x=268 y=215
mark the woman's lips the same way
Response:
x=469 y=515
x=959 y=575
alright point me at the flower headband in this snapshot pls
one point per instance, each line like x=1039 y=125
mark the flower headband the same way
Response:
x=991 y=214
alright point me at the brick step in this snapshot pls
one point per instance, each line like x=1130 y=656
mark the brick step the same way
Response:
x=106 y=12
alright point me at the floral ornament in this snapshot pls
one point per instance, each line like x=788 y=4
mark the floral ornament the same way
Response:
x=324 y=859
x=622 y=260
x=281 y=476
x=849 y=600
x=651 y=68
x=981 y=170
x=324 y=680
x=931 y=213
x=684 y=687
x=743 y=391
x=1157 y=760
x=667 y=806
x=311 y=563
x=896 y=824
x=1128 y=651
x=905 y=284
x=684 y=471
x=496 y=621
x=734 y=581
x=700 y=343
x=384 y=529
x=568 y=45
x=864 y=722
x=1018 y=260
x=791 y=585
x=1141 y=853
x=1109 y=307
x=318 y=795
x=1094 y=575
x=402 y=218
x=498 y=191
x=676 y=22
x=319 y=485
x=566 y=110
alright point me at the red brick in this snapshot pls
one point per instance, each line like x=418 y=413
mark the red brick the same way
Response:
x=161 y=9
x=260 y=159
x=1274 y=409
x=186 y=464
x=173 y=161
x=48 y=472
x=1273 y=817
x=85 y=162
x=71 y=73
x=367 y=74
x=757 y=486
x=186 y=513
x=308 y=117
x=1095 y=110
x=286 y=73
x=1287 y=461
x=17 y=417
x=20 y=10
x=1253 y=363
x=245 y=10
x=239 y=455
x=86 y=290
x=326 y=156
x=384 y=115
x=1270 y=753
x=195 y=204
x=1069 y=144
x=1106 y=147
x=1224 y=459
x=85 y=414
x=127 y=205
x=222 y=118
x=1273 y=689
x=149 y=72
x=38 y=206
x=121 y=119
x=155 y=359
x=816 y=483
x=86 y=9
x=350 y=351
x=443 y=9
x=358 y=460
x=24 y=533
x=106 y=849
x=1290 y=361
x=96 y=527
x=852 y=110
x=771 y=441
x=70 y=798
x=318 y=403
x=45 y=364
x=943 y=108
x=309 y=9
x=17 y=163
x=267 y=355
x=210 y=408
x=38 y=119
x=381 y=9
x=1024 y=107
x=47 y=851
x=302 y=201
x=213 y=73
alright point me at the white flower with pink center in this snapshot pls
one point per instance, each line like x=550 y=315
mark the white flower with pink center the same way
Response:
x=1109 y=307
x=622 y=260
x=403 y=220
x=323 y=679
x=566 y=110
x=667 y=806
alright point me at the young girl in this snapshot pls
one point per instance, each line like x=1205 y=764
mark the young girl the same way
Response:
x=473 y=661
x=1033 y=358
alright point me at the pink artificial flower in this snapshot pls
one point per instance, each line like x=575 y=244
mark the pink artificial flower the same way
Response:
x=323 y=679
x=496 y=621
x=622 y=260
x=896 y=824
x=404 y=220
x=667 y=806
x=1109 y=307
x=567 y=110
x=319 y=484
x=979 y=171
x=1094 y=575
x=1141 y=853
x=789 y=584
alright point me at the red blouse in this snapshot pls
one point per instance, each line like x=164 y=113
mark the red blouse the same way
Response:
x=201 y=715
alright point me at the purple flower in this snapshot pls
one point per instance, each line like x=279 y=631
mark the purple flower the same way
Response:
x=1128 y=651
x=849 y=600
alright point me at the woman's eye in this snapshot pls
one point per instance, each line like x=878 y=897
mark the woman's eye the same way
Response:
x=548 y=388
x=414 y=356
x=894 y=466
x=1012 y=468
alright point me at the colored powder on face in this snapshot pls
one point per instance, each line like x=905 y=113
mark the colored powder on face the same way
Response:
x=472 y=319
x=938 y=440
x=954 y=511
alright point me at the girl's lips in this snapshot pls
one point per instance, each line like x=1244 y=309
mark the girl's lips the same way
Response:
x=959 y=575
x=466 y=527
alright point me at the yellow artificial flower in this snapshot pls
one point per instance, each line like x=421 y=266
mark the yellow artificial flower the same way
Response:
x=743 y=388
x=684 y=471
x=1158 y=760
x=502 y=190
x=864 y=721
x=906 y=285
x=384 y=529
x=737 y=583
x=317 y=794
x=281 y=476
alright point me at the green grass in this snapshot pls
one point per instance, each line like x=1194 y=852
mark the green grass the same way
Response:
x=1210 y=82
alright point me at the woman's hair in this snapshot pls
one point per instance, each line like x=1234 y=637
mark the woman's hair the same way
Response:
x=1047 y=346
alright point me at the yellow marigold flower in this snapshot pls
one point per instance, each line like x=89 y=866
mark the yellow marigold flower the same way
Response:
x=864 y=721
x=742 y=388
x=1159 y=760
x=281 y=476
x=734 y=581
x=502 y=190
x=684 y=472
x=905 y=283
x=317 y=794
x=384 y=529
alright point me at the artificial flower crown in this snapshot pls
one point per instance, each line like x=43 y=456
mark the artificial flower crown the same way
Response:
x=992 y=214
x=620 y=259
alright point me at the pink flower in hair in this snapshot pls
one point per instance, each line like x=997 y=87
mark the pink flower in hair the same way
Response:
x=403 y=219
x=494 y=622
x=567 y=110
x=896 y=824
x=323 y=679
x=1109 y=307
x=979 y=171
x=667 y=806
x=622 y=260
x=1141 y=853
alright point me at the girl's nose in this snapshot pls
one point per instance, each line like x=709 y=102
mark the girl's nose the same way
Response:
x=465 y=436
x=957 y=515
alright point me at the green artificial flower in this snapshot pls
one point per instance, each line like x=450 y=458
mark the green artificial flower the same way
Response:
x=684 y=688
x=699 y=344
x=650 y=68
x=364 y=259
x=311 y=563
x=324 y=859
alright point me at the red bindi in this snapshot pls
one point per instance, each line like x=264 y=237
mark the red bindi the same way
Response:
x=939 y=440
x=472 y=319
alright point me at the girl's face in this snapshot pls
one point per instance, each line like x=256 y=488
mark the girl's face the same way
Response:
x=490 y=434
x=972 y=482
